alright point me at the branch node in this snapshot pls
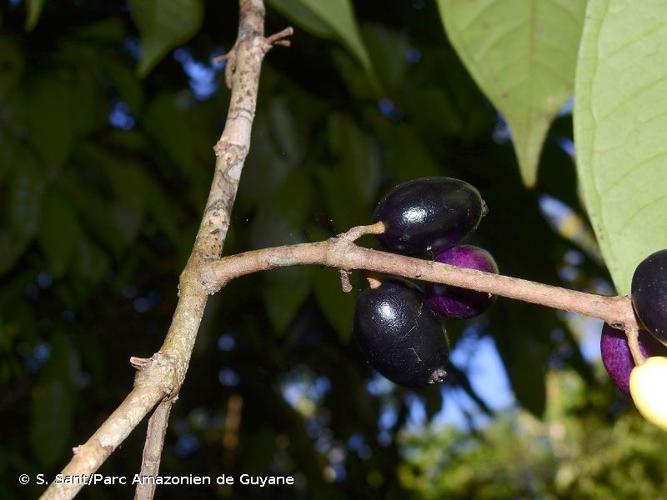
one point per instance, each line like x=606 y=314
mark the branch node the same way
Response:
x=139 y=363
x=278 y=39
x=345 y=280
x=357 y=232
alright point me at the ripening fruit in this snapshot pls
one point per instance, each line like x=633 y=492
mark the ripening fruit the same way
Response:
x=617 y=358
x=647 y=387
x=401 y=338
x=459 y=303
x=429 y=214
x=649 y=294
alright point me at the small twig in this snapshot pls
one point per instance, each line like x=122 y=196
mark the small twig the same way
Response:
x=150 y=460
x=279 y=38
x=230 y=438
x=345 y=284
x=353 y=234
x=633 y=342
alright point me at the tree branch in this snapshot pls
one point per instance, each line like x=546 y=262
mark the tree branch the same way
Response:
x=162 y=375
x=150 y=459
x=341 y=252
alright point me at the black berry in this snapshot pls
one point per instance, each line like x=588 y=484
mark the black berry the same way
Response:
x=401 y=338
x=459 y=303
x=649 y=294
x=429 y=214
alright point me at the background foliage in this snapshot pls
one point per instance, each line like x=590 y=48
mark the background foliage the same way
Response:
x=108 y=112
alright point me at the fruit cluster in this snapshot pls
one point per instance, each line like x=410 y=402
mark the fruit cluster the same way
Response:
x=397 y=326
x=643 y=381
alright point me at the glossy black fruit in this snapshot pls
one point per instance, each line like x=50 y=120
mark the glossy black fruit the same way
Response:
x=400 y=336
x=649 y=294
x=459 y=303
x=429 y=214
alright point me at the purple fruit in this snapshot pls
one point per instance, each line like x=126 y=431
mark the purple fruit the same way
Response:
x=427 y=215
x=649 y=294
x=459 y=303
x=617 y=358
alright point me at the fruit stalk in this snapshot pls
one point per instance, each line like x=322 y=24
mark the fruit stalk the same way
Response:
x=341 y=252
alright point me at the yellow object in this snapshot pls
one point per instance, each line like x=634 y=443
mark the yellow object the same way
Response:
x=647 y=388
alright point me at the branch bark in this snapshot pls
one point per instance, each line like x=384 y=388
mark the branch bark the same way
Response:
x=150 y=459
x=341 y=252
x=159 y=378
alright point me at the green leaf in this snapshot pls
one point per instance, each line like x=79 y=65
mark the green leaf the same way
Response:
x=125 y=81
x=521 y=338
x=344 y=205
x=288 y=138
x=91 y=261
x=163 y=25
x=284 y=291
x=58 y=232
x=620 y=117
x=24 y=200
x=21 y=207
x=336 y=305
x=11 y=65
x=47 y=100
x=52 y=405
x=51 y=420
x=325 y=19
x=280 y=221
x=34 y=8
x=304 y=17
x=358 y=155
x=522 y=54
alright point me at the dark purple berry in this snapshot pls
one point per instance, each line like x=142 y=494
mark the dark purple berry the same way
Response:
x=617 y=358
x=401 y=338
x=459 y=303
x=427 y=215
x=649 y=294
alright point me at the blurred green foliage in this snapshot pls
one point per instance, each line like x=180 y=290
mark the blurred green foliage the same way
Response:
x=103 y=177
x=581 y=450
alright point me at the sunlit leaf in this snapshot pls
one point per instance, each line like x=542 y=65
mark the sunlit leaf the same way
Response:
x=522 y=54
x=163 y=25
x=620 y=118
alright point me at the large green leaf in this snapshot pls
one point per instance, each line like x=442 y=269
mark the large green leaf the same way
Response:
x=52 y=404
x=325 y=19
x=11 y=64
x=34 y=8
x=620 y=121
x=358 y=156
x=280 y=220
x=522 y=54
x=58 y=232
x=163 y=25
